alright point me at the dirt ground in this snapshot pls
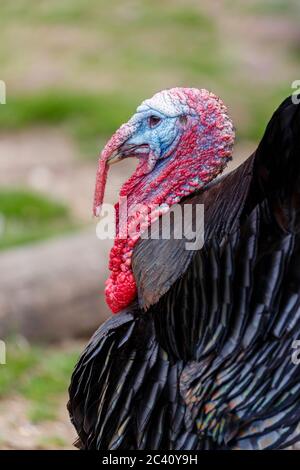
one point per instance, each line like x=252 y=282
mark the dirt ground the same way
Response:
x=17 y=432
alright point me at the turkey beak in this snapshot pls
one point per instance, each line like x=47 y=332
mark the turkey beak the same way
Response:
x=114 y=158
x=127 y=150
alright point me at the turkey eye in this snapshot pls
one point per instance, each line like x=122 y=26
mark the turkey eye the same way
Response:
x=154 y=120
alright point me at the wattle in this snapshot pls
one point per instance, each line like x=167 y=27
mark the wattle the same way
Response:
x=120 y=287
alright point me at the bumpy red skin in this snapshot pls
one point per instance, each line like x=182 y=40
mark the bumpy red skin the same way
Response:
x=202 y=153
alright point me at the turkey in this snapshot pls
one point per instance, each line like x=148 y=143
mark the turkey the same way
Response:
x=200 y=353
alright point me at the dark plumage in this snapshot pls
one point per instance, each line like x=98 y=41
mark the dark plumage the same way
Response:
x=209 y=363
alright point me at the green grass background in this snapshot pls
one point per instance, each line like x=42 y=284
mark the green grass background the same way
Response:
x=110 y=55
x=83 y=67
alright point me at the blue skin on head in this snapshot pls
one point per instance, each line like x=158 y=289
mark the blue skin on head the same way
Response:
x=157 y=130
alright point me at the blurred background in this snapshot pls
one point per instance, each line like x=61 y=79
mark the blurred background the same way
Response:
x=74 y=71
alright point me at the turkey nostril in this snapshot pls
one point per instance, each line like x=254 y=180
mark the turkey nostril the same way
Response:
x=183 y=120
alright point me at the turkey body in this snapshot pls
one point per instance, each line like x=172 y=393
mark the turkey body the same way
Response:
x=203 y=358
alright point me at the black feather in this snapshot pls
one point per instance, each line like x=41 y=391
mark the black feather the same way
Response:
x=209 y=364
